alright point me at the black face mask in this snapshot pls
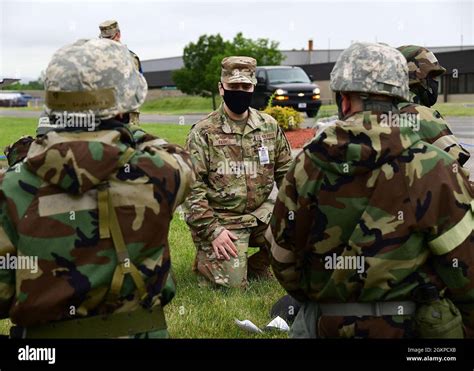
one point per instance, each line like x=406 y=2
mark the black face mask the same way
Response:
x=238 y=101
x=429 y=96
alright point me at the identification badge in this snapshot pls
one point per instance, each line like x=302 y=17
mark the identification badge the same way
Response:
x=263 y=155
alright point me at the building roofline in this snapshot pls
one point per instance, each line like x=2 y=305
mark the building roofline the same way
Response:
x=327 y=50
x=336 y=50
x=160 y=59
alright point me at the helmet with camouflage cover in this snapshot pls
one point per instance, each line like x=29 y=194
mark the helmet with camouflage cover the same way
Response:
x=93 y=76
x=421 y=64
x=371 y=68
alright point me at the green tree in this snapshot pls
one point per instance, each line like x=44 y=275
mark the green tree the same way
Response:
x=201 y=71
x=32 y=85
x=196 y=57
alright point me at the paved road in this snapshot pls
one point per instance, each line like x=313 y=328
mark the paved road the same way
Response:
x=18 y=113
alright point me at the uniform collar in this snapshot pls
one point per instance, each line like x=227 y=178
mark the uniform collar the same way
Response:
x=254 y=121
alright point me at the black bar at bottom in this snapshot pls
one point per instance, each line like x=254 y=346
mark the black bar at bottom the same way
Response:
x=406 y=353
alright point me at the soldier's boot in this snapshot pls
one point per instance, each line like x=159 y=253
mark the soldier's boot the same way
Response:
x=259 y=265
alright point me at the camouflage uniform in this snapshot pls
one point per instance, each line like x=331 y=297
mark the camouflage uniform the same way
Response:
x=377 y=194
x=433 y=127
x=93 y=206
x=233 y=188
x=108 y=29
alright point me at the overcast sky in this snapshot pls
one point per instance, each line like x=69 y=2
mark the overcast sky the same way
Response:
x=30 y=31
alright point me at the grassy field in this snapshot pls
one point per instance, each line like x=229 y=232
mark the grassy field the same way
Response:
x=167 y=106
x=455 y=109
x=11 y=128
x=194 y=312
x=195 y=104
x=327 y=110
x=179 y=105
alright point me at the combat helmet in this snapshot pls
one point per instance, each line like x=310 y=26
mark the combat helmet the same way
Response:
x=421 y=64
x=371 y=68
x=96 y=75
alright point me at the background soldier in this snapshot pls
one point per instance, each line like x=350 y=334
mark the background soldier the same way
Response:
x=238 y=153
x=375 y=197
x=16 y=152
x=4 y=163
x=110 y=30
x=423 y=71
x=93 y=206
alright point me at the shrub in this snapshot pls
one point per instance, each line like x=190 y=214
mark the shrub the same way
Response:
x=287 y=117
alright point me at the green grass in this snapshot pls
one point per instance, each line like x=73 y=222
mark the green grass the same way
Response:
x=179 y=105
x=5 y=327
x=170 y=132
x=11 y=128
x=194 y=312
x=166 y=106
x=327 y=110
x=210 y=313
x=455 y=109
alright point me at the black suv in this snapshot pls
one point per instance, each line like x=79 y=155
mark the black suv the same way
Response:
x=292 y=87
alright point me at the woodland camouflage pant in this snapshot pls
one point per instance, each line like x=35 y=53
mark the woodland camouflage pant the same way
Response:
x=233 y=273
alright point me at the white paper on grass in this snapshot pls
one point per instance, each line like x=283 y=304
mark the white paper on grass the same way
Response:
x=277 y=323
x=247 y=325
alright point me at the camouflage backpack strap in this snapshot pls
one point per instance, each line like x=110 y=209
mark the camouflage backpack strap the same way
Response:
x=109 y=226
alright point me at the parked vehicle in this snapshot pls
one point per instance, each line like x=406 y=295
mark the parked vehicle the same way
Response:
x=14 y=99
x=291 y=87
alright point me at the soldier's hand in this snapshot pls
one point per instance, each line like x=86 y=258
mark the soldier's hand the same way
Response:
x=223 y=245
